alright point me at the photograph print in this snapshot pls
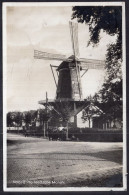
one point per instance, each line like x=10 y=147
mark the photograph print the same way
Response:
x=64 y=90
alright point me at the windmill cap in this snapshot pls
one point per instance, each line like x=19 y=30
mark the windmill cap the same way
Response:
x=65 y=64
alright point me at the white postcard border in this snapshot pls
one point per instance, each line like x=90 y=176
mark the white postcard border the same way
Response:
x=12 y=189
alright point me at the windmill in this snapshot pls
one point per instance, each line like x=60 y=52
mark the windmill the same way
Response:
x=69 y=89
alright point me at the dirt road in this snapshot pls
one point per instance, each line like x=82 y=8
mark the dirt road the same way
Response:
x=37 y=162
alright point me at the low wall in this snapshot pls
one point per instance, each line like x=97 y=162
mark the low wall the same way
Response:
x=97 y=135
x=85 y=134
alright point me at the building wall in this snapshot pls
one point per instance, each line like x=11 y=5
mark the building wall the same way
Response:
x=82 y=124
x=96 y=122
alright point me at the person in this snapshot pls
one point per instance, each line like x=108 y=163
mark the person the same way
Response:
x=60 y=128
x=73 y=137
x=49 y=133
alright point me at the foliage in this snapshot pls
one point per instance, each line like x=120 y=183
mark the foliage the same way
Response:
x=66 y=111
x=43 y=115
x=33 y=114
x=9 y=119
x=18 y=118
x=27 y=118
x=111 y=106
x=90 y=111
x=14 y=118
x=107 y=19
x=55 y=118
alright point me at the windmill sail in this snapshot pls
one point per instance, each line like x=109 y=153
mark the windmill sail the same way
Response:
x=74 y=38
x=50 y=56
x=69 y=80
x=92 y=64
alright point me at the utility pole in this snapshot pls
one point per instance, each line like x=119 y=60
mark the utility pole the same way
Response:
x=46 y=125
x=67 y=133
x=75 y=116
x=46 y=102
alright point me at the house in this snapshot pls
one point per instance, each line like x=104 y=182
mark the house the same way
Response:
x=93 y=117
x=86 y=117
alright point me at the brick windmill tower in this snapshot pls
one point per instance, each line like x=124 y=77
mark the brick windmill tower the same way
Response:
x=69 y=98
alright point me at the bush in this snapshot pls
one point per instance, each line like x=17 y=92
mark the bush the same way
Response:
x=96 y=135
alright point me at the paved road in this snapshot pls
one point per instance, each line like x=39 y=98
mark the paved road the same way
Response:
x=41 y=163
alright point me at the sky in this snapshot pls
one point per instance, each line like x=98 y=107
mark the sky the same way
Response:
x=46 y=29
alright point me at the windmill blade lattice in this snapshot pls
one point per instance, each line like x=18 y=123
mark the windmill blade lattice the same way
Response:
x=75 y=46
x=50 y=56
x=74 y=38
x=92 y=64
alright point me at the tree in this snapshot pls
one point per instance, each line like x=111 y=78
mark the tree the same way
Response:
x=43 y=115
x=107 y=19
x=27 y=118
x=55 y=118
x=9 y=119
x=110 y=103
x=90 y=111
x=18 y=118
x=14 y=118
x=66 y=113
x=33 y=114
